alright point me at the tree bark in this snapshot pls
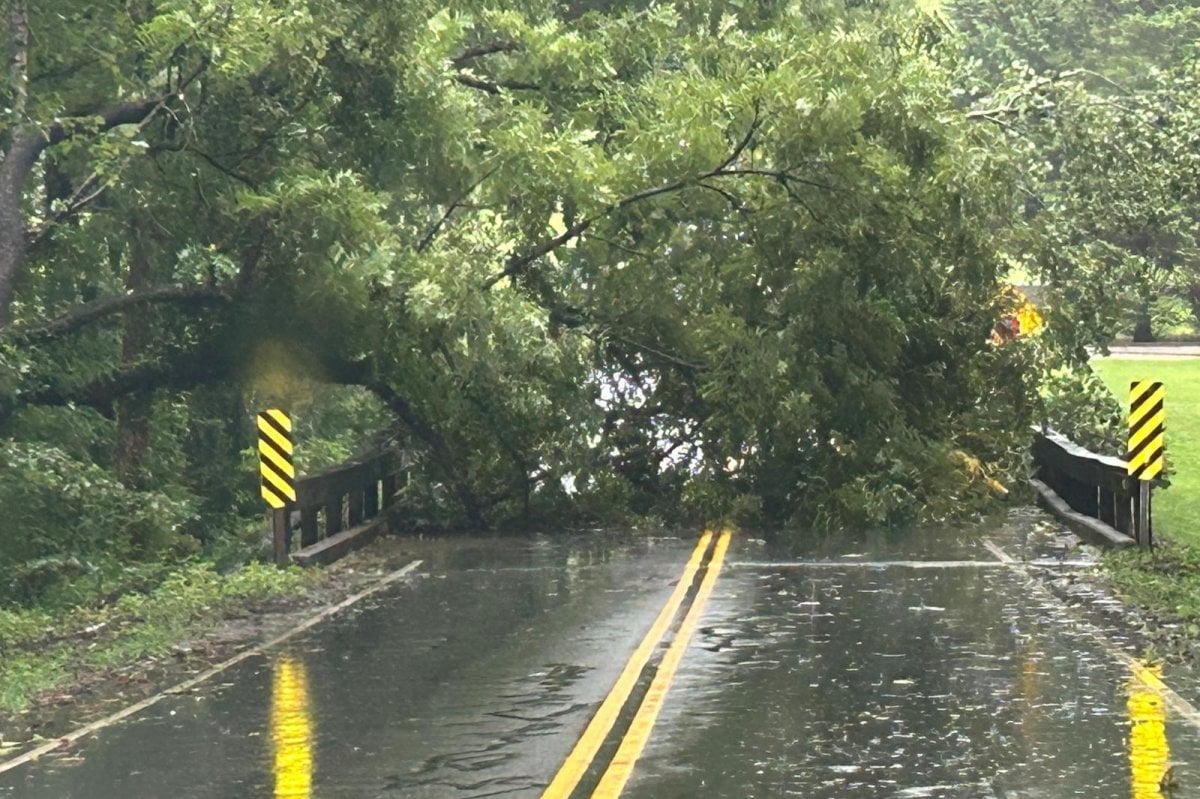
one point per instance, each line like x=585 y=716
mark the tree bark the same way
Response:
x=26 y=145
x=440 y=451
x=1194 y=299
x=1142 y=330
x=18 y=65
x=17 y=156
x=82 y=315
x=133 y=411
x=22 y=154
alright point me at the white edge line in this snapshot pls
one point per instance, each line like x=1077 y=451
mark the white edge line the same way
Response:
x=63 y=741
x=907 y=564
x=1182 y=707
x=1000 y=554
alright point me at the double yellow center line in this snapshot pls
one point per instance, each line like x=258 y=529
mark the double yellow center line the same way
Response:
x=621 y=766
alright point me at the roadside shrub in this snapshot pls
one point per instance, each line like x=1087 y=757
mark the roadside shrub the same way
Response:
x=1170 y=316
x=1078 y=404
x=71 y=528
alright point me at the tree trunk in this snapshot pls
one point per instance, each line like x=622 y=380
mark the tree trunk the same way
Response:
x=20 y=153
x=443 y=460
x=133 y=411
x=1193 y=295
x=19 y=159
x=1141 y=328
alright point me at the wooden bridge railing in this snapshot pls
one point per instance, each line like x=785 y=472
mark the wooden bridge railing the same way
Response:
x=1093 y=494
x=339 y=509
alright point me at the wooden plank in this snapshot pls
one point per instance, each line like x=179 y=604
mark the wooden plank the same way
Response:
x=308 y=525
x=1093 y=530
x=333 y=517
x=1149 y=517
x=354 y=510
x=281 y=534
x=1089 y=500
x=336 y=546
x=325 y=487
x=371 y=500
x=1142 y=507
x=1068 y=458
x=1124 y=509
x=367 y=487
x=1108 y=507
x=317 y=489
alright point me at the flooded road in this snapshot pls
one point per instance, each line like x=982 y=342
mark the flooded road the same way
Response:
x=894 y=683
x=914 y=666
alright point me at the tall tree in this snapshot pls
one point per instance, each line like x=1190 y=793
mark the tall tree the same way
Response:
x=684 y=255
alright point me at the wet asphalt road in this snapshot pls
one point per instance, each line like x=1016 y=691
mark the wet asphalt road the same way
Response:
x=815 y=675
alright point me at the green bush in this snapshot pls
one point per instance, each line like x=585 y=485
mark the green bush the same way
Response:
x=71 y=528
x=1171 y=316
x=1077 y=403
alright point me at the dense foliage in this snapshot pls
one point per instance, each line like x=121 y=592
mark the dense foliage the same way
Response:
x=1098 y=101
x=591 y=261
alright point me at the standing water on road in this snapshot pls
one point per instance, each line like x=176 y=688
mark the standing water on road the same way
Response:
x=896 y=666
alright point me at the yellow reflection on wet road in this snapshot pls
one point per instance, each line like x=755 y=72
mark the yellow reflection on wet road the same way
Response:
x=1030 y=685
x=1148 y=751
x=291 y=731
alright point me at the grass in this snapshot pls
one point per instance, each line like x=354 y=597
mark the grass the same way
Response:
x=1167 y=579
x=42 y=651
x=1176 y=508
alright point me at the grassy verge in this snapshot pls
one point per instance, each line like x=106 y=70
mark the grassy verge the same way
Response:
x=41 y=651
x=1177 y=508
x=1167 y=580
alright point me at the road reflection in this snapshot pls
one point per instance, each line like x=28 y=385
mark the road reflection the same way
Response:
x=291 y=730
x=1148 y=750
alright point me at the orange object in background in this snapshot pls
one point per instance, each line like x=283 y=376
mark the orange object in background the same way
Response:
x=1029 y=321
x=1023 y=320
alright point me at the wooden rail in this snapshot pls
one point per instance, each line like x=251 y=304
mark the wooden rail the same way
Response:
x=1093 y=494
x=339 y=509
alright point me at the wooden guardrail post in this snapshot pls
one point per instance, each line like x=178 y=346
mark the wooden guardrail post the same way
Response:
x=281 y=535
x=277 y=477
x=1093 y=494
x=1147 y=448
x=1141 y=533
x=349 y=497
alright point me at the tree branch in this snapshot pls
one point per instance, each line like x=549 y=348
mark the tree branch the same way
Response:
x=741 y=146
x=18 y=32
x=519 y=262
x=140 y=112
x=81 y=198
x=442 y=455
x=179 y=371
x=99 y=309
x=228 y=171
x=127 y=113
x=25 y=147
x=480 y=50
x=783 y=176
x=666 y=356
x=734 y=201
x=431 y=234
x=495 y=87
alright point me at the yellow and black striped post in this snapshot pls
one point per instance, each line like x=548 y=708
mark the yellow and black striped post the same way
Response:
x=277 y=475
x=1146 y=429
x=1147 y=448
